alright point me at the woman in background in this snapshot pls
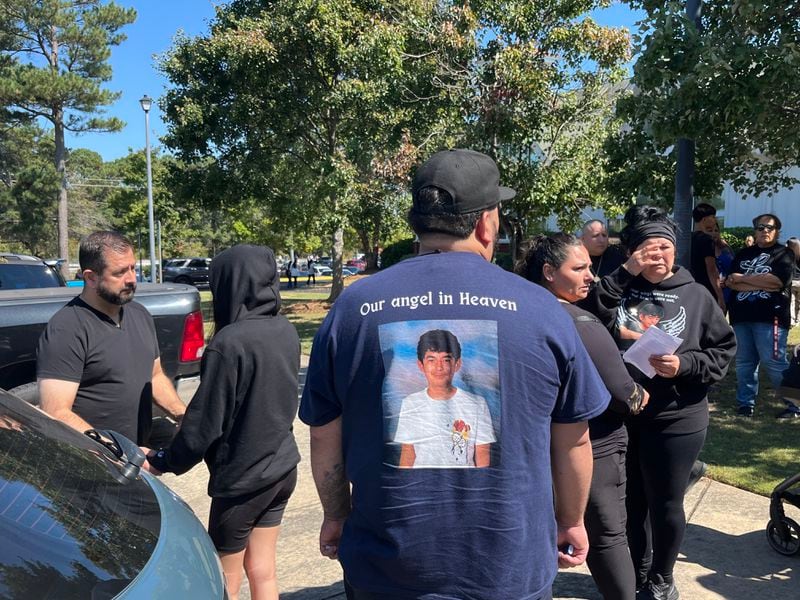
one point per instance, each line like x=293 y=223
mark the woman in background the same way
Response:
x=665 y=439
x=724 y=255
x=561 y=264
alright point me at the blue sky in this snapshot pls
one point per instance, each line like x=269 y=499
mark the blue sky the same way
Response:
x=135 y=74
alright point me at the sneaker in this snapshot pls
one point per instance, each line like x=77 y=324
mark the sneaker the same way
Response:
x=658 y=589
x=789 y=413
x=745 y=411
x=698 y=470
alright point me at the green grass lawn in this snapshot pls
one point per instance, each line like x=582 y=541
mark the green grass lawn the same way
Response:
x=751 y=454
x=307 y=321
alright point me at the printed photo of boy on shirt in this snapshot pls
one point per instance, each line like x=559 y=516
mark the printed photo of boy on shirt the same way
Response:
x=443 y=426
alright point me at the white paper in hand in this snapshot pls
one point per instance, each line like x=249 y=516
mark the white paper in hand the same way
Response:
x=653 y=341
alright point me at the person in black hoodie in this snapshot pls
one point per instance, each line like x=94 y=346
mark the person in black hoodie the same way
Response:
x=665 y=439
x=561 y=264
x=240 y=419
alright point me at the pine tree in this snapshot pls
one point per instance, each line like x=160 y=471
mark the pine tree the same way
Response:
x=53 y=62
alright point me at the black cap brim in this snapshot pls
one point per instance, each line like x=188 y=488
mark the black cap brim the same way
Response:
x=506 y=193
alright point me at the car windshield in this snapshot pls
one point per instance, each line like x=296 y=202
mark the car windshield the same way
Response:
x=22 y=277
x=68 y=528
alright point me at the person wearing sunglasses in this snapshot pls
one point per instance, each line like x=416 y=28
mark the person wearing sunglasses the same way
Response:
x=761 y=280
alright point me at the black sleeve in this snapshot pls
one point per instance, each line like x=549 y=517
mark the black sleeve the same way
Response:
x=62 y=352
x=205 y=419
x=783 y=266
x=718 y=347
x=605 y=297
x=705 y=246
x=606 y=358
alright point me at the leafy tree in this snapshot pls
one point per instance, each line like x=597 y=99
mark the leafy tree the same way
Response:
x=733 y=87
x=545 y=82
x=28 y=183
x=319 y=109
x=90 y=190
x=54 y=62
x=294 y=99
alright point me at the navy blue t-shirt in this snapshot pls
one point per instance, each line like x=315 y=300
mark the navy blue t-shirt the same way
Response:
x=472 y=516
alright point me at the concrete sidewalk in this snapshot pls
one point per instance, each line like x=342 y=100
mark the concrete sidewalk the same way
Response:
x=724 y=555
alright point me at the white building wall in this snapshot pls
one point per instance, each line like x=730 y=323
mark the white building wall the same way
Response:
x=740 y=209
x=785 y=204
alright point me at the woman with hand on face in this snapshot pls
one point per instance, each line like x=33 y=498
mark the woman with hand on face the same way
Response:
x=561 y=264
x=665 y=439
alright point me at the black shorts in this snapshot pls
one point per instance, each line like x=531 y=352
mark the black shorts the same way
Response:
x=232 y=519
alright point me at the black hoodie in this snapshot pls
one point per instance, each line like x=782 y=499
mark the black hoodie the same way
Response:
x=686 y=310
x=240 y=419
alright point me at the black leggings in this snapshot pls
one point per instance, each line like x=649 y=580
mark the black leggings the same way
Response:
x=609 y=559
x=658 y=473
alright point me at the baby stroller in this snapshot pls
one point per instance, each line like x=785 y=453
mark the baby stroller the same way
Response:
x=783 y=533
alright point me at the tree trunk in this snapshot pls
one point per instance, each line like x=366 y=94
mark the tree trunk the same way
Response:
x=338 y=249
x=684 y=200
x=371 y=253
x=63 y=213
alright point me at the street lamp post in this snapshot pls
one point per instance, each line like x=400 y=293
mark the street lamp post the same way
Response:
x=146 y=102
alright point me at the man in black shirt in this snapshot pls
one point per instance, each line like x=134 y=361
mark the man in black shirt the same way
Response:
x=98 y=363
x=759 y=309
x=703 y=261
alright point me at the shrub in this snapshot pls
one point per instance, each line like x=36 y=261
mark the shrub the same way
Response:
x=397 y=251
x=734 y=236
x=504 y=260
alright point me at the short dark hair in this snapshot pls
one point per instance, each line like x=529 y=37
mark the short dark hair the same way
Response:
x=703 y=210
x=649 y=308
x=91 y=254
x=769 y=215
x=552 y=250
x=438 y=340
x=437 y=219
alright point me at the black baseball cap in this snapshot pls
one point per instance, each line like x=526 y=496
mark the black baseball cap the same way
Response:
x=471 y=179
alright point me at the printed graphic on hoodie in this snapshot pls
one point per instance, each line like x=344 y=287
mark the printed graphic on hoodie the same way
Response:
x=759 y=265
x=441 y=393
x=641 y=310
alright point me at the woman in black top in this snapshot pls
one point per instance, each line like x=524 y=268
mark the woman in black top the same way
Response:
x=561 y=264
x=240 y=419
x=649 y=290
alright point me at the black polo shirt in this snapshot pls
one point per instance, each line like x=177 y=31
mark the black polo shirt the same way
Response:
x=113 y=364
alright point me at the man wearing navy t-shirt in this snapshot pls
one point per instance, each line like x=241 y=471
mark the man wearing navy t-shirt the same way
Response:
x=440 y=530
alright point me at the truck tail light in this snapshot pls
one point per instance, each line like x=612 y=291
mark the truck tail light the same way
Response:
x=193 y=337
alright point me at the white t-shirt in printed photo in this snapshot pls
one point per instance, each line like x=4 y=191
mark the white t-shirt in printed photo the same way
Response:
x=444 y=433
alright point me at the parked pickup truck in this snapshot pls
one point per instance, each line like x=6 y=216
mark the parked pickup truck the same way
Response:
x=175 y=309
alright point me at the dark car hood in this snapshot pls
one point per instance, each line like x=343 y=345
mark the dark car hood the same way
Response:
x=245 y=283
